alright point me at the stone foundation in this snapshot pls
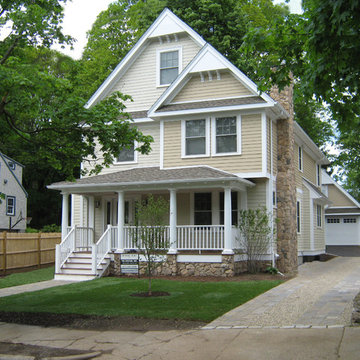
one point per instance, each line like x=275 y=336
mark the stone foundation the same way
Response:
x=227 y=268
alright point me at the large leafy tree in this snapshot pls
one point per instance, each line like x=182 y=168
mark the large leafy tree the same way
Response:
x=43 y=120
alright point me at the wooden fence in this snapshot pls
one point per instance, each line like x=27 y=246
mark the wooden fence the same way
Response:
x=23 y=250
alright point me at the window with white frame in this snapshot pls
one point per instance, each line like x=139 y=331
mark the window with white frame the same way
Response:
x=127 y=154
x=168 y=66
x=226 y=135
x=202 y=209
x=10 y=205
x=298 y=217
x=195 y=137
x=318 y=215
x=300 y=158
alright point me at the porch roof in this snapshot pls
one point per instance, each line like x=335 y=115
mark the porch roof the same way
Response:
x=153 y=177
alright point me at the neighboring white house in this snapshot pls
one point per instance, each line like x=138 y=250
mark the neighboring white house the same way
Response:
x=13 y=206
x=342 y=217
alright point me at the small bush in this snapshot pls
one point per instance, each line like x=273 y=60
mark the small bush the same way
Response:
x=51 y=228
x=31 y=230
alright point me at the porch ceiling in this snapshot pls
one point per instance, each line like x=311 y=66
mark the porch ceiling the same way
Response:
x=155 y=178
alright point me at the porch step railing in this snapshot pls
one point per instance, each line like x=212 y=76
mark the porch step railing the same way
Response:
x=101 y=249
x=84 y=237
x=64 y=249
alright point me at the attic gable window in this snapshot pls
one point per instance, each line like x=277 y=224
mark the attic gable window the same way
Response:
x=168 y=66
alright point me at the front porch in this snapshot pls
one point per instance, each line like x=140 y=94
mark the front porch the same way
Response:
x=202 y=218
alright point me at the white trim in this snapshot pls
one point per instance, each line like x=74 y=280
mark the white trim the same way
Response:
x=298 y=190
x=183 y=139
x=199 y=258
x=264 y=142
x=219 y=61
x=121 y=68
x=238 y=136
x=142 y=120
x=158 y=54
x=253 y=175
x=161 y=144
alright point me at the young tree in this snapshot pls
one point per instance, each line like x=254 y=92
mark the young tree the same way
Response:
x=256 y=236
x=149 y=234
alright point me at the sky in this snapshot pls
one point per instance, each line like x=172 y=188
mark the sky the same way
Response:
x=81 y=14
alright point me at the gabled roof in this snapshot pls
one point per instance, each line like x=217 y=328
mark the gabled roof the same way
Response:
x=328 y=180
x=209 y=59
x=315 y=193
x=6 y=160
x=167 y=23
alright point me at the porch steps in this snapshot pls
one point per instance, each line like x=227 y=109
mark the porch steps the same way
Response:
x=78 y=267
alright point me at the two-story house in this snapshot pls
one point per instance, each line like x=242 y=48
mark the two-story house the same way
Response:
x=218 y=147
x=13 y=205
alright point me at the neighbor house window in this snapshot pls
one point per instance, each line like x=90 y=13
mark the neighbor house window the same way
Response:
x=12 y=165
x=298 y=217
x=127 y=155
x=318 y=215
x=300 y=158
x=10 y=205
x=168 y=66
x=202 y=209
x=234 y=208
x=195 y=137
x=226 y=135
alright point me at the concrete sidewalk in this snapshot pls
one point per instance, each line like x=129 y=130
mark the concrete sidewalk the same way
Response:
x=230 y=344
x=320 y=296
x=32 y=287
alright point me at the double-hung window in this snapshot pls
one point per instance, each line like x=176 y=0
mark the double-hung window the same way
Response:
x=127 y=154
x=202 y=209
x=195 y=137
x=300 y=158
x=226 y=135
x=169 y=66
x=10 y=205
x=298 y=217
x=318 y=215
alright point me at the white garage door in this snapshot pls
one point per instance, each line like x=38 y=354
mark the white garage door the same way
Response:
x=342 y=230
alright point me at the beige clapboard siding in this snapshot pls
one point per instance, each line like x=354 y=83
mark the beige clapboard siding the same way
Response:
x=248 y=161
x=319 y=233
x=183 y=209
x=256 y=196
x=309 y=167
x=337 y=197
x=304 y=236
x=195 y=89
x=152 y=159
x=268 y=145
x=140 y=79
x=274 y=146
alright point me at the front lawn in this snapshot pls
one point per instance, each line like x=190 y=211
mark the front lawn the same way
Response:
x=203 y=301
x=27 y=277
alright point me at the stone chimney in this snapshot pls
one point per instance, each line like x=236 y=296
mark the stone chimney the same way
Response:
x=287 y=246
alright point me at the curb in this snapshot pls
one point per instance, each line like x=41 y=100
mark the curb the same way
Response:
x=298 y=326
x=74 y=357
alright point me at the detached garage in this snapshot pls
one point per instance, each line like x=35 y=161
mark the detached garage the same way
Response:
x=342 y=217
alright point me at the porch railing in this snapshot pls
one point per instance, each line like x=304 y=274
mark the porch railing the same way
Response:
x=200 y=237
x=101 y=249
x=133 y=236
x=64 y=249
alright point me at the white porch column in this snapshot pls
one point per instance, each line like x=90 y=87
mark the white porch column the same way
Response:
x=82 y=211
x=173 y=221
x=64 y=214
x=228 y=249
x=91 y=220
x=121 y=220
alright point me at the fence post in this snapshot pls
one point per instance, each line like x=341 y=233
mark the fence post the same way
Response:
x=4 y=252
x=94 y=258
x=39 y=249
x=57 y=259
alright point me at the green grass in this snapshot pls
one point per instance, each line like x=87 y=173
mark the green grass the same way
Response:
x=202 y=301
x=27 y=277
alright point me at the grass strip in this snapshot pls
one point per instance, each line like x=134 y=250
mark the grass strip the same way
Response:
x=27 y=277
x=203 y=301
